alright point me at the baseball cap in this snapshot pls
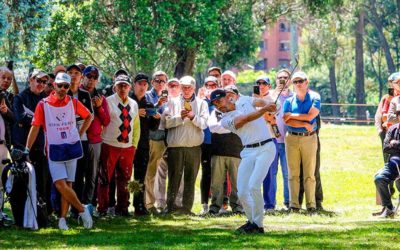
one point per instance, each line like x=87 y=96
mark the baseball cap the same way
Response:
x=89 y=69
x=188 y=81
x=59 y=68
x=174 y=80
x=396 y=76
x=299 y=74
x=214 y=68
x=39 y=74
x=74 y=66
x=122 y=79
x=232 y=89
x=264 y=78
x=211 y=79
x=121 y=72
x=140 y=77
x=62 y=78
x=217 y=94
x=230 y=73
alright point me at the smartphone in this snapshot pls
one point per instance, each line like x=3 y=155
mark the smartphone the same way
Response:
x=151 y=111
x=256 y=89
x=164 y=93
x=391 y=91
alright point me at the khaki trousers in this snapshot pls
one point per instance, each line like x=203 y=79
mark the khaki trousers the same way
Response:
x=301 y=149
x=157 y=149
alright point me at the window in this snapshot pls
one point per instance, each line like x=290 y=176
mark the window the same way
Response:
x=283 y=27
x=261 y=65
x=263 y=45
x=284 y=46
x=284 y=63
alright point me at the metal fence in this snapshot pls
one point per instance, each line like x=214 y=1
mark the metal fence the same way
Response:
x=347 y=113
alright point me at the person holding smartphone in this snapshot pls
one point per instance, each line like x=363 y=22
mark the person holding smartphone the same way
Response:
x=101 y=119
x=149 y=120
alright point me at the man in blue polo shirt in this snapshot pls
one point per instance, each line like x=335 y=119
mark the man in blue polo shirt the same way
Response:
x=300 y=112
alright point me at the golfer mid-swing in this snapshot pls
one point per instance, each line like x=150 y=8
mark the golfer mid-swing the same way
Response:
x=242 y=118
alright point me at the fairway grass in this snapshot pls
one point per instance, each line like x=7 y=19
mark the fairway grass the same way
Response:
x=350 y=156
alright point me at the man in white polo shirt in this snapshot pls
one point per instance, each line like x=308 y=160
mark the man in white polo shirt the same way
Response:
x=242 y=118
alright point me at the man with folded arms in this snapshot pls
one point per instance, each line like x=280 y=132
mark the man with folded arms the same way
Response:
x=300 y=112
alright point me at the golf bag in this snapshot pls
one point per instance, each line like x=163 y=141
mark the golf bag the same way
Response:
x=18 y=178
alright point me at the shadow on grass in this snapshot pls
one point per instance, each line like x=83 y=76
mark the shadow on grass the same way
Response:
x=182 y=232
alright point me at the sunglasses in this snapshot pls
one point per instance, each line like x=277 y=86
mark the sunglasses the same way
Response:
x=211 y=86
x=298 y=82
x=173 y=86
x=63 y=85
x=159 y=81
x=41 y=81
x=262 y=82
x=283 y=78
x=92 y=77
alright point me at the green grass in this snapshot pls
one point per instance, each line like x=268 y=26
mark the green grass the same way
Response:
x=350 y=157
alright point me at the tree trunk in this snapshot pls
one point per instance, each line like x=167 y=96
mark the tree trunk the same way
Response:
x=375 y=20
x=184 y=62
x=359 y=60
x=334 y=93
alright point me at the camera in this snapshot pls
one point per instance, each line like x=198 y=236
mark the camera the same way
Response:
x=391 y=91
x=151 y=111
x=164 y=93
x=3 y=95
x=256 y=89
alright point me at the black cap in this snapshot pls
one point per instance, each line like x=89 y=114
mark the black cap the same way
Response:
x=140 y=77
x=122 y=79
x=217 y=94
x=121 y=72
x=74 y=66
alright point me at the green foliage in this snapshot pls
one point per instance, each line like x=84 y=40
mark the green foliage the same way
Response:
x=21 y=23
x=147 y=35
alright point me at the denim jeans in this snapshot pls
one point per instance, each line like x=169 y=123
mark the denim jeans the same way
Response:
x=384 y=177
x=285 y=174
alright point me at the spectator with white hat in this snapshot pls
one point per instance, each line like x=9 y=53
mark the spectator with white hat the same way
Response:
x=185 y=124
x=56 y=114
x=300 y=112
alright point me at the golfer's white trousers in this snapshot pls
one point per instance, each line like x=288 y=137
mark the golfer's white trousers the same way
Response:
x=252 y=170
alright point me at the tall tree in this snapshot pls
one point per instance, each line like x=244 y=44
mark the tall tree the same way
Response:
x=359 y=62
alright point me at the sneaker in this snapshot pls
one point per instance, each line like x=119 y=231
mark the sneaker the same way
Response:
x=312 y=210
x=294 y=210
x=388 y=213
x=210 y=213
x=379 y=213
x=98 y=214
x=244 y=228
x=62 y=224
x=111 y=211
x=153 y=211
x=269 y=211
x=205 y=210
x=256 y=229
x=86 y=218
x=141 y=212
x=223 y=210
